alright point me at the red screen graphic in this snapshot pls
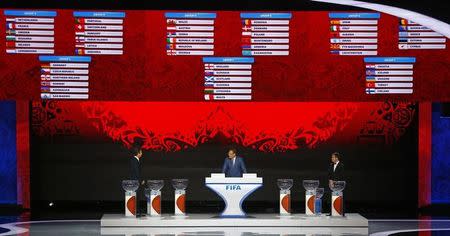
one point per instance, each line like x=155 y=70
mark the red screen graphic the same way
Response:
x=146 y=73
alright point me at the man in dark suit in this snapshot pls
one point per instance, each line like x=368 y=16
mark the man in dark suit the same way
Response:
x=336 y=169
x=135 y=174
x=233 y=166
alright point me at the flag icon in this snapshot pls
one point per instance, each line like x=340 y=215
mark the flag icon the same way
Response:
x=79 y=45
x=370 y=85
x=10 y=19
x=209 y=72
x=45 y=70
x=79 y=51
x=170 y=40
x=209 y=84
x=9 y=32
x=45 y=83
x=45 y=89
x=333 y=28
x=79 y=20
x=370 y=72
x=246 y=46
x=209 y=66
x=171 y=22
x=80 y=39
x=247 y=28
x=403 y=46
x=45 y=77
x=170 y=46
x=403 y=34
x=370 y=66
x=403 y=22
x=402 y=28
x=335 y=52
x=403 y=40
x=171 y=28
x=10 y=44
x=246 y=40
x=334 y=46
x=246 y=22
x=10 y=26
x=370 y=78
x=334 y=40
x=370 y=91
x=246 y=52
x=45 y=65
x=209 y=79
x=209 y=97
x=334 y=35
x=334 y=22
x=171 y=34
x=209 y=91
x=79 y=27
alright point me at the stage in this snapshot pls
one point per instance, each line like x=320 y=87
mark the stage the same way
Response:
x=351 y=220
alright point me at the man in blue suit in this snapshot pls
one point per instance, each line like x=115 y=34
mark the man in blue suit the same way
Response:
x=233 y=166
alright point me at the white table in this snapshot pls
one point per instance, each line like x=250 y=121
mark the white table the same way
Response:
x=233 y=191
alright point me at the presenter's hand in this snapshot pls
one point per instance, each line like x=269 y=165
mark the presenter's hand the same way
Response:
x=330 y=183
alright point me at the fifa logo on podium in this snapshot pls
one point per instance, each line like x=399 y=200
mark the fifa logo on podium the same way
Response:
x=233 y=187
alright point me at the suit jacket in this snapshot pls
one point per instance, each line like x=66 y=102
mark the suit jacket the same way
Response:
x=338 y=173
x=135 y=169
x=235 y=170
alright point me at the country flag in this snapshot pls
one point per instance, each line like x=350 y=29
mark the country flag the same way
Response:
x=334 y=46
x=171 y=52
x=370 y=85
x=334 y=35
x=171 y=28
x=403 y=40
x=45 y=83
x=10 y=19
x=9 y=32
x=10 y=44
x=209 y=72
x=45 y=77
x=403 y=46
x=209 y=66
x=371 y=66
x=79 y=51
x=370 y=90
x=171 y=34
x=333 y=28
x=10 y=38
x=10 y=26
x=170 y=40
x=336 y=52
x=246 y=40
x=79 y=45
x=246 y=46
x=45 y=65
x=334 y=22
x=79 y=20
x=45 y=70
x=45 y=89
x=209 y=78
x=170 y=46
x=209 y=97
x=246 y=22
x=370 y=72
x=246 y=52
x=402 y=28
x=209 y=91
x=209 y=84
x=79 y=27
x=171 y=22
x=370 y=78
x=246 y=28
x=334 y=40
x=79 y=39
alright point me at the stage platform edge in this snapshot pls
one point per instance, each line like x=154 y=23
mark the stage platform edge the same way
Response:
x=254 y=220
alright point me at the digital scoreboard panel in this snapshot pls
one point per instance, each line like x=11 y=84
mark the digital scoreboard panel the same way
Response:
x=168 y=55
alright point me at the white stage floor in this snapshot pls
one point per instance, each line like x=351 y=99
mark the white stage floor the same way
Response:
x=254 y=220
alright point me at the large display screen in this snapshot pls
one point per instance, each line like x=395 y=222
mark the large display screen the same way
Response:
x=156 y=55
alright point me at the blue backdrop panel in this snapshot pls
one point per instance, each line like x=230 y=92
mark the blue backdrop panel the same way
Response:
x=8 y=163
x=440 y=177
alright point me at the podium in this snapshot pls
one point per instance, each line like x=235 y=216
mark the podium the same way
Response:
x=233 y=191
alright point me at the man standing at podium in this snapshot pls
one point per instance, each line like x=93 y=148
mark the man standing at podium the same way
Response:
x=135 y=174
x=233 y=166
